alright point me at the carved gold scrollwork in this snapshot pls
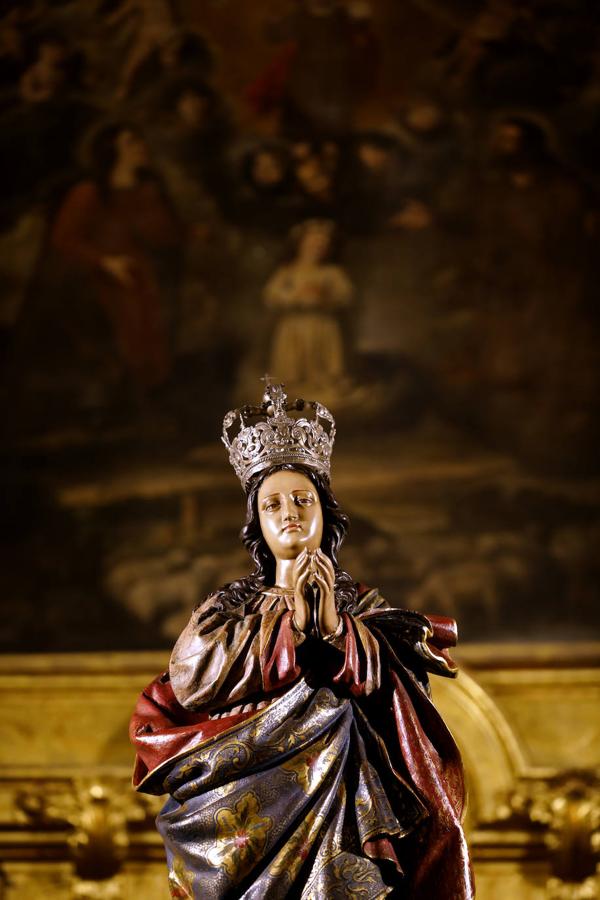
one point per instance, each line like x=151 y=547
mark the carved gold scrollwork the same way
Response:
x=98 y=890
x=565 y=810
x=99 y=816
x=561 y=890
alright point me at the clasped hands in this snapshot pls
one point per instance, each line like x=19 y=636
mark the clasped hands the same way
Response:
x=315 y=568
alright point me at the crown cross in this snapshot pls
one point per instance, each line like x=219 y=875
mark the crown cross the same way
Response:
x=275 y=399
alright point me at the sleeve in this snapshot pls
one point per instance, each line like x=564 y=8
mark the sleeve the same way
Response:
x=361 y=670
x=417 y=642
x=70 y=233
x=223 y=657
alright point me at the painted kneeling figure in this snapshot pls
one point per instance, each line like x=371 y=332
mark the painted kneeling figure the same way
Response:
x=294 y=731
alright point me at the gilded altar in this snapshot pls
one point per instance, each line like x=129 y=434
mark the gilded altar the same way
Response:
x=526 y=719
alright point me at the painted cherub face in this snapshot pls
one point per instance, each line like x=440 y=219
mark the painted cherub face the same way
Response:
x=192 y=108
x=290 y=514
x=267 y=169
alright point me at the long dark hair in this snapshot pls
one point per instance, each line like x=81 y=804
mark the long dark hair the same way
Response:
x=335 y=528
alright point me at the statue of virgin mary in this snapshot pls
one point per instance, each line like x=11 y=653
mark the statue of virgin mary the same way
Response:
x=294 y=731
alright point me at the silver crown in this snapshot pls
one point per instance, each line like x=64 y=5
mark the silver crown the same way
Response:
x=279 y=438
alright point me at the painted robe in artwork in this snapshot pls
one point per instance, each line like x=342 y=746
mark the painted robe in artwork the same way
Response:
x=297 y=767
x=308 y=346
x=139 y=224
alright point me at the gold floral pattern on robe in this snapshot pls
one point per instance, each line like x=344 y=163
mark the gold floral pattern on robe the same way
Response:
x=241 y=835
x=310 y=766
x=294 y=853
x=337 y=873
x=181 y=880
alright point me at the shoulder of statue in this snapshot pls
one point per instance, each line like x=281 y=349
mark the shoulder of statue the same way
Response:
x=424 y=639
x=367 y=599
x=218 y=603
x=212 y=601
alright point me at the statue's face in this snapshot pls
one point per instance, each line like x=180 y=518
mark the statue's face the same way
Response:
x=290 y=514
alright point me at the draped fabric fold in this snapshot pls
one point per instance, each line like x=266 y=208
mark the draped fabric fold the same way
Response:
x=331 y=775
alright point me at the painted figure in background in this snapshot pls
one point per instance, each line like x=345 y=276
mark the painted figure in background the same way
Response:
x=119 y=232
x=328 y=59
x=154 y=31
x=294 y=730
x=309 y=292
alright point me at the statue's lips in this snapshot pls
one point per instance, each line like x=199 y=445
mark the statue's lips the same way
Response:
x=293 y=526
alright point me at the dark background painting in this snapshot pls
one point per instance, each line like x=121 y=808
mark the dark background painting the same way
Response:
x=392 y=207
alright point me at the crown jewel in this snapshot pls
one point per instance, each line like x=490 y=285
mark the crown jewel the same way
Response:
x=277 y=437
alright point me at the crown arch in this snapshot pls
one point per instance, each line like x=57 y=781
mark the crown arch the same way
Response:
x=278 y=437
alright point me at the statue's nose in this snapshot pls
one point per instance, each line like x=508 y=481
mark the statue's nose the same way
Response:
x=290 y=513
